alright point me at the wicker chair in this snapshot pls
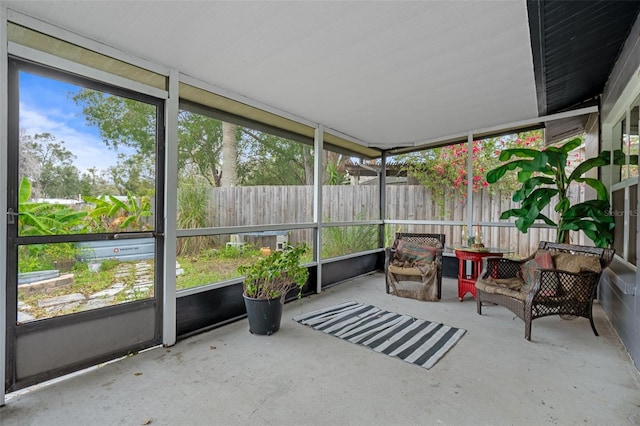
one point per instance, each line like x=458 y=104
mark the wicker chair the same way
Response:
x=428 y=277
x=553 y=291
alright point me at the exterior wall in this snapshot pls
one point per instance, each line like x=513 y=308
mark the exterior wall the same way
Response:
x=620 y=287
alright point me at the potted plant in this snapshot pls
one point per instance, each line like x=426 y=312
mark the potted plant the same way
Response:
x=545 y=178
x=267 y=281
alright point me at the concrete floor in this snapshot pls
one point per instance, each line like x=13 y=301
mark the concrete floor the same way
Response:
x=299 y=376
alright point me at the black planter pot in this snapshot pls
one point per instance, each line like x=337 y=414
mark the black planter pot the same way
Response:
x=264 y=315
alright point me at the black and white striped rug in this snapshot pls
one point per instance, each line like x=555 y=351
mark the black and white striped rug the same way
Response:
x=411 y=339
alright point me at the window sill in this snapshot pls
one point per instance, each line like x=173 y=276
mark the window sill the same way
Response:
x=622 y=276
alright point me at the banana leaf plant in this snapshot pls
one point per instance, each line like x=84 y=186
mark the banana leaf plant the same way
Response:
x=44 y=218
x=544 y=179
x=111 y=214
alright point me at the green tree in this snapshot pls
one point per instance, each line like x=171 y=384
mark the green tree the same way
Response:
x=122 y=122
x=267 y=159
x=199 y=147
x=125 y=125
x=94 y=183
x=49 y=164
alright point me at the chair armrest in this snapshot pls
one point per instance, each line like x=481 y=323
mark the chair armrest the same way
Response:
x=389 y=254
x=557 y=285
x=438 y=258
x=501 y=267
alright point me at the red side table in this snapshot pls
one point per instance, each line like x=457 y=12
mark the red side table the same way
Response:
x=467 y=283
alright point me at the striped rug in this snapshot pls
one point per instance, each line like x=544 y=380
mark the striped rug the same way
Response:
x=411 y=339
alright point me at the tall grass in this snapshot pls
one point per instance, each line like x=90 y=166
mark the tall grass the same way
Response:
x=193 y=200
x=342 y=240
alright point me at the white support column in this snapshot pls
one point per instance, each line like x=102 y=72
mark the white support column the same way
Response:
x=317 y=200
x=170 y=211
x=4 y=87
x=470 y=184
x=382 y=195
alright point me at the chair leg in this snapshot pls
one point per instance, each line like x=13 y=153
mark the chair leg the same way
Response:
x=527 y=330
x=479 y=303
x=593 y=326
x=391 y=284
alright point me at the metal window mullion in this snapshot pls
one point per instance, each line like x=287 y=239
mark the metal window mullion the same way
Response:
x=383 y=197
x=170 y=195
x=198 y=232
x=317 y=201
x=469 y=183
x=4 y=88
x=353 y=223
x=459 y=223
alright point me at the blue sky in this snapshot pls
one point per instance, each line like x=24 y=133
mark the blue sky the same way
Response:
x=46 y=106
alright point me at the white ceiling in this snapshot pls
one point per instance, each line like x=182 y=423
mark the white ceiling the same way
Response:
x=388 y=74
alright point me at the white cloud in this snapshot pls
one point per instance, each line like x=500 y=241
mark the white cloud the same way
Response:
x=84 y=144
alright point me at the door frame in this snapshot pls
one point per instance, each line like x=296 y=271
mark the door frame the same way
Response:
x=69 y=340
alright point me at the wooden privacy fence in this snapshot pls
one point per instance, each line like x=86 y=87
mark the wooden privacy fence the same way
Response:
x=266 y=205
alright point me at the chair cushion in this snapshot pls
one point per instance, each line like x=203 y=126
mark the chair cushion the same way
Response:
x=412 y=253
x=577 y=262
x=399 y=270
x=514 y=283
x=510 y=287
x=542 y=260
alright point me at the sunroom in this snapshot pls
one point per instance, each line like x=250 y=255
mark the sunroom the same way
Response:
x=227 y=129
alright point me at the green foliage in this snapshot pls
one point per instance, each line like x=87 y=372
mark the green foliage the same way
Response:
x=112 y=215
x=121 y=121
x=235 y=252
x=200 y=146
x=30 y=262
x=444 y=170
x=390 y=234
x=275 y=275
x=193 y=200
x=109 y=264
x=124 y=122
x=43 y=257
x=266 y=159
x=342 y=240
x=544 y=176
x=45 y=219
x=49 y=164
x=335 y=176
x=213 y=265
